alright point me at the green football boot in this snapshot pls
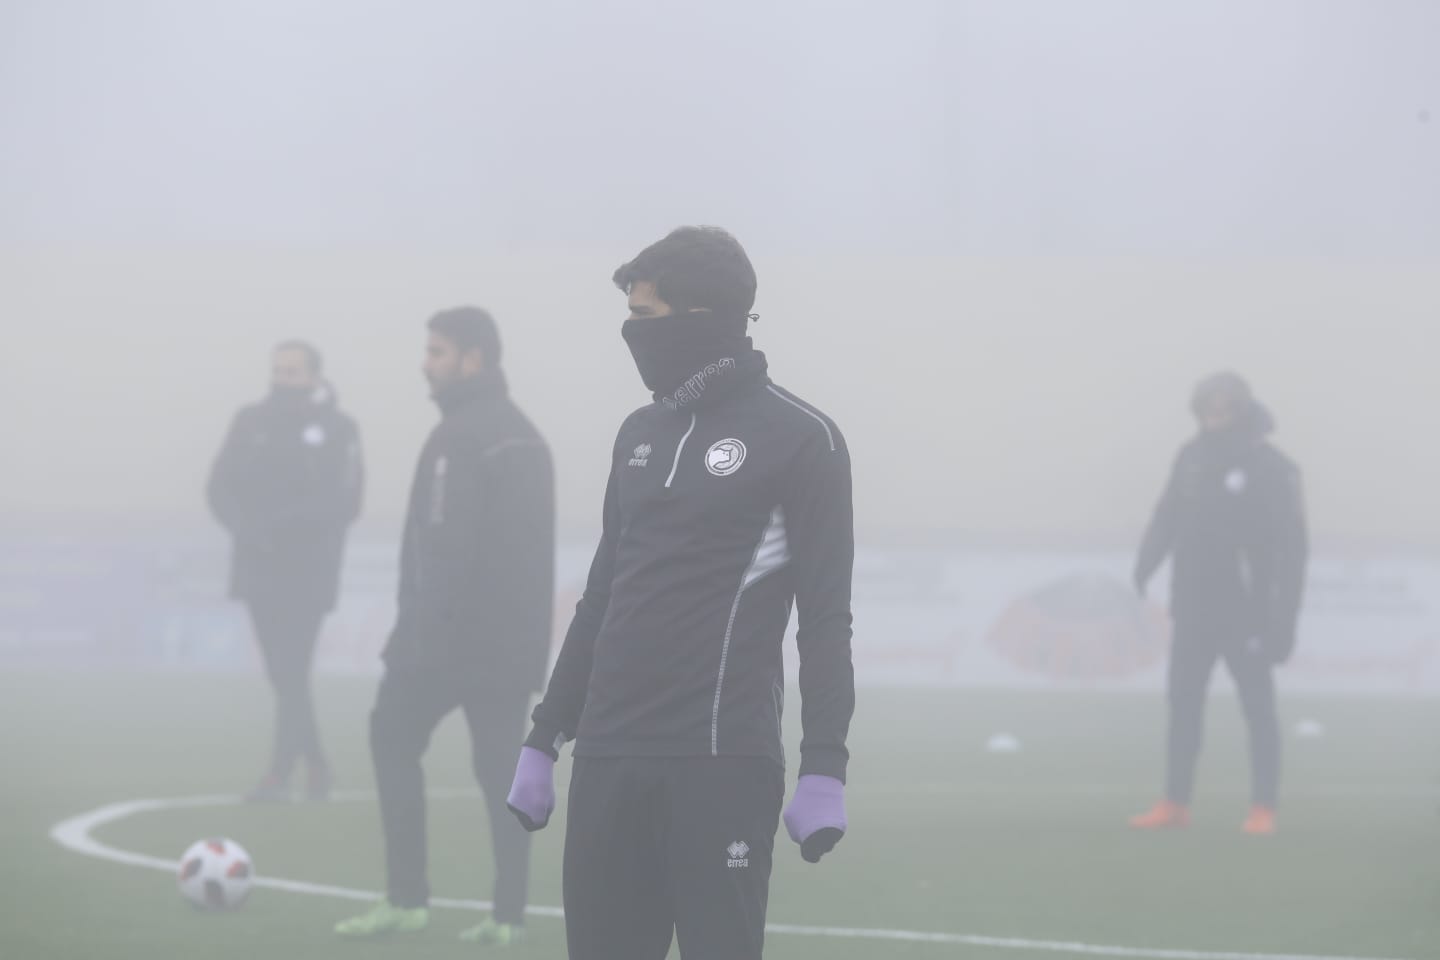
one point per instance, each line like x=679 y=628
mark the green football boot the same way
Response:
x=384 y=919
x=493 y=934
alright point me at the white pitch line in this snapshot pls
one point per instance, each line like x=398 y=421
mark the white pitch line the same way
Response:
x=76 y=834
x=1331 y=791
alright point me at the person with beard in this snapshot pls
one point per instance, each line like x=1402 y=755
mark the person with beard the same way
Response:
x=1232 y=519
x=287 y=485
x=728 y=501
x=473 y=623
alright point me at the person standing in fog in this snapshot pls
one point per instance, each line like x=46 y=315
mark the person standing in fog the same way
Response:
x=477 y=569
x=287 y=485
x=728 y=504
x=1232 y=519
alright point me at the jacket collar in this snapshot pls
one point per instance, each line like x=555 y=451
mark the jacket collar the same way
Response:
x=717 y=382
x=482 y=389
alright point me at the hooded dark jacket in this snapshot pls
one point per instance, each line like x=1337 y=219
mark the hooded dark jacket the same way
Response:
x=477 y=564
x=287 y=485
x=1232 y=519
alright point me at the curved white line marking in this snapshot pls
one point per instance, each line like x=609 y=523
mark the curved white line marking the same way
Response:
x=75 y=834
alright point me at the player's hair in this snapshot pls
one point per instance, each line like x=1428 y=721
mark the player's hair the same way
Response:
x=469 y=328
x=311 y=352
x=695 y=268
x=1226 y=387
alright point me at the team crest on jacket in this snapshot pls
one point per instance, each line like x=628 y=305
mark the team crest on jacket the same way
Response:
x=724 y=457
x=1236 y=481
x=314 y=435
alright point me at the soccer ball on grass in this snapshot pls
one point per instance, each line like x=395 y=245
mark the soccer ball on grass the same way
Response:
x=216 y=874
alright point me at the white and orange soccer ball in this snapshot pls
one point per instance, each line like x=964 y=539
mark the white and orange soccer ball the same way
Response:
x=216 y=874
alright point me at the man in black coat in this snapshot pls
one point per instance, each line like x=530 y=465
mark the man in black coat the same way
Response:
x=1232 y=520
x=474 y=620
x=728 y=507
x=287 y=485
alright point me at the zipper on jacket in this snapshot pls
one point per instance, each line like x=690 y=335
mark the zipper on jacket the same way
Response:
x=437 y=491
x=679 y=450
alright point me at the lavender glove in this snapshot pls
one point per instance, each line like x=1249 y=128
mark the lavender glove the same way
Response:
x=532 y=792
x=815 y=818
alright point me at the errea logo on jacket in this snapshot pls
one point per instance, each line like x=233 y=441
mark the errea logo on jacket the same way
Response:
x=739 y=855
x=642 y=455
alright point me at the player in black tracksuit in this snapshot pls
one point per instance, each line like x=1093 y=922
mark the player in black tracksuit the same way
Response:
x=1232 y=520
x=728 y=501
x=474 y=617
x=287 y=485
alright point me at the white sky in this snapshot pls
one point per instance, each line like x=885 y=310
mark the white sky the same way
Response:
x=998 y=241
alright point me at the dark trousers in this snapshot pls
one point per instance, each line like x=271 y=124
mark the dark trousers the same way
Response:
x=410 y=705
x=1196 y=649
x=287 y=634
x=661 y=847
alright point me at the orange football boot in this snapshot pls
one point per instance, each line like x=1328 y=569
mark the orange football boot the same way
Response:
x=1260 y=823
x=1165 y=815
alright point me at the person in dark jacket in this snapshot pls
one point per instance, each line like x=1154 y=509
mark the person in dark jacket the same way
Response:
x=1232 y=520
x=287 y=485
x=728 y=503
x=474 y=620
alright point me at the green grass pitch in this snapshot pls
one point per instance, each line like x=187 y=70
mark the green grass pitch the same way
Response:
x=945 y=837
